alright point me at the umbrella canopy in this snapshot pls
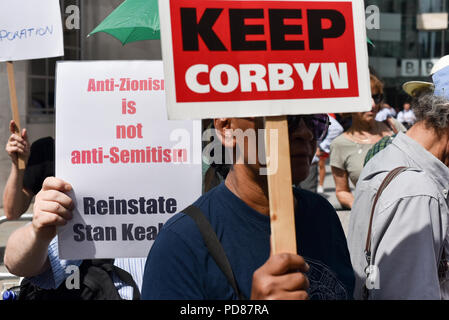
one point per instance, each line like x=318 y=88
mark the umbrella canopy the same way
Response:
x=133 y=20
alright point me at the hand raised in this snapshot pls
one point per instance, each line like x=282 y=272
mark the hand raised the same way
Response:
x=52 y=208
x=18 y=144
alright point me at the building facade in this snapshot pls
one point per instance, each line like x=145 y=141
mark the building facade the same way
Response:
x=403 y=50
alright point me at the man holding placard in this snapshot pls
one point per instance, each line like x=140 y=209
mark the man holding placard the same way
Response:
x=141 y=164
x=235 y=59
x=181 y=267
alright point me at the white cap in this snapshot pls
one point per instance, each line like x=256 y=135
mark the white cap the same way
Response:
x=441 y=64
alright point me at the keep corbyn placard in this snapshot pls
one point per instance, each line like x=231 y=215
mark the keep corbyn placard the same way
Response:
x=130 y=168
x=264 y=58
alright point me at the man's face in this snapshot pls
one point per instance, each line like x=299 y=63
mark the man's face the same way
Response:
x=302 y=150
x=302 y=146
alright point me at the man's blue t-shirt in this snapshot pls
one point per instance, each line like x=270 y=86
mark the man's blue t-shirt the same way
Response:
x=180 y=267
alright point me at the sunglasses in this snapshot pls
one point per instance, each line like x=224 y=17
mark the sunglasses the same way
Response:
x=317 y=123
x=378 y=98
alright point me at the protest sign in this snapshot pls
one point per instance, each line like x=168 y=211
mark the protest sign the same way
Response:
x=264 y=58
x=240 y=58
x=131 y=169
x=30 y=30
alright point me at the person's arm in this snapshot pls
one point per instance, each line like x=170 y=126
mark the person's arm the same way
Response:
x=342 y=189
x=16 y=199
x=26 y=250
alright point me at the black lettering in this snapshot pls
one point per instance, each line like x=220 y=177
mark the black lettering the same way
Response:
x=111 y=205
x=89 y=233
x=111 y=233
x=151 y=206
x=89 y=205
x=278 y=29
x=316 y=32
x=120 y=206
x=142 y=204
x=132 y=206
x=78 y=230
x=151 y=233
x=191 y=30
x=161 y=201
x=239 y=30
x=98 y=234
x=171 y=205
x=102 y=207
x=139 y=233
x=127 y=232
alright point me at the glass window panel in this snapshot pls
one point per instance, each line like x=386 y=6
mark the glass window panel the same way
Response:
x=38 y=67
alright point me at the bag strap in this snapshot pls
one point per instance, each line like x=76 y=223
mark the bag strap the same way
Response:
x=124 y=276
x=213 y=245
x=390 y=176
x=128 y=279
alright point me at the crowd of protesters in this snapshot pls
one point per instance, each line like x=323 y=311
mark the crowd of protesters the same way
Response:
x=396 y=160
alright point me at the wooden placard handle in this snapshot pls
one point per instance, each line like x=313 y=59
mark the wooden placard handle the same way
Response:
x=282 y=211
x=14 y=105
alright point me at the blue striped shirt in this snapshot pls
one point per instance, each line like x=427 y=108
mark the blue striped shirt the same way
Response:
x=53 y=277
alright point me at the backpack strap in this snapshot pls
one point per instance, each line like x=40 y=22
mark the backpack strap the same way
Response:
x=213 y=245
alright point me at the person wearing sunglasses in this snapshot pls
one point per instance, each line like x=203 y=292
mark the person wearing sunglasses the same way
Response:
x=348 y=151
x=180 y=266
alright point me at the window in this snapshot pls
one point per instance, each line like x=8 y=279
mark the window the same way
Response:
x=41 y=73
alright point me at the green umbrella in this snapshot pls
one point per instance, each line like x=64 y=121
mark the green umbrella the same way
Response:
x=133 y=20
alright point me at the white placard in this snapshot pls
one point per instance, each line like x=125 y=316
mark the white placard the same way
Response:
x=30 y=29
x=244 y=58
x=131 y=169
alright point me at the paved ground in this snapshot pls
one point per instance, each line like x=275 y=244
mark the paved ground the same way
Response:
x=7 y=228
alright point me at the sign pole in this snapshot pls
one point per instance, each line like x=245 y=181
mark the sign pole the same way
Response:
x=14 y=105
x=283 y=232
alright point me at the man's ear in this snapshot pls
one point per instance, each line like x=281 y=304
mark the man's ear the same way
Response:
x=223 y=129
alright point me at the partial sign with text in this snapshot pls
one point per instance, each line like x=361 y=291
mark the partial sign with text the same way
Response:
x=262 y=58
x=131 y=169
x=30 y=30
